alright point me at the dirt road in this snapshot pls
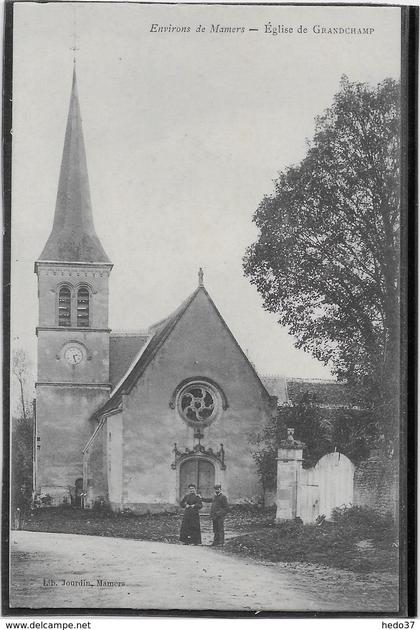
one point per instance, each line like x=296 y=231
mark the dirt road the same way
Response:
x=66 y=570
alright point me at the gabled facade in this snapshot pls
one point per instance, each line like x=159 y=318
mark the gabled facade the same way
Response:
x=185 y=412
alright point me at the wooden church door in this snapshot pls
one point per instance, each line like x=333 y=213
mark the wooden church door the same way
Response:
x=205 y=481
x=201 y=473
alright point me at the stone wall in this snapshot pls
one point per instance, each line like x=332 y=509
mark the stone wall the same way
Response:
x=94 y=468
x=63 y=429
x=376 y=484
x=114 y=460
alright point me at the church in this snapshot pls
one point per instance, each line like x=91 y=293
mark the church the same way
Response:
x=131 y=419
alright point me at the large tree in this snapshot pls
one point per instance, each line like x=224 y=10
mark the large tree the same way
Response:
x=327 y=256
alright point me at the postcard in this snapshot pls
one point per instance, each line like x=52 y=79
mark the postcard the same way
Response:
x=207 y=404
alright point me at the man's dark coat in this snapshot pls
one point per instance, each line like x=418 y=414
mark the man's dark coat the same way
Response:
x=219 y=506
x=218 y=511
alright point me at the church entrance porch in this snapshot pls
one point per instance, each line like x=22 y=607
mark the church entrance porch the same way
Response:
x=201 y=466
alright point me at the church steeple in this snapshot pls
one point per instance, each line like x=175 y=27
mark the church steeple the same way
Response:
x=73 y=237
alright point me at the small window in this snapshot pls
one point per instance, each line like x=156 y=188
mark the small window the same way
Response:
x=83 y=307
x=64 y=307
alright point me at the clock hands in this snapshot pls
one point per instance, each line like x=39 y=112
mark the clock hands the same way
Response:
x=73 y=355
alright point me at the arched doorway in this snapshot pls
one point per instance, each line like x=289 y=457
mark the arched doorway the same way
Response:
x=201 y=473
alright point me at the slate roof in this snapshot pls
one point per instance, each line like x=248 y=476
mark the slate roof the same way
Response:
x=123 y=347
x=326 y=393
x=157 y=335
x=276 y=386
x=73 y=237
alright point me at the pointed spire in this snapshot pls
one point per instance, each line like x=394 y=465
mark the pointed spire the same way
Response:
x=73 y=237
x=200 y=277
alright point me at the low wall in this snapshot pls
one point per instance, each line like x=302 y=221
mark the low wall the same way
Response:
x=150 y=508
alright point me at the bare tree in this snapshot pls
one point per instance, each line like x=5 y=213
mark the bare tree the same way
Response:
x=22 y=428
x=21 y=371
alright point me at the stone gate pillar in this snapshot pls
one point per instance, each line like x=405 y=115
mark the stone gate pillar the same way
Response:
x=289 y=464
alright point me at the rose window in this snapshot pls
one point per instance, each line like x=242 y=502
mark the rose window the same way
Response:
x=199 y=404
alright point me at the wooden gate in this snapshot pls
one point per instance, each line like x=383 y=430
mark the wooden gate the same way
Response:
x=326 y=486
x=308 y=495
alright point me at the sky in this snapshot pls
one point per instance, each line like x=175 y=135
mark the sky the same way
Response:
x=185 y=134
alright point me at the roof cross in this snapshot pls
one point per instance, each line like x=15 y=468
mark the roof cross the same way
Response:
x=74 y=48
x=201 y=277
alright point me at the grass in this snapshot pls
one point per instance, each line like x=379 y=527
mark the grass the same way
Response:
x=357 y=539
x=70 y=520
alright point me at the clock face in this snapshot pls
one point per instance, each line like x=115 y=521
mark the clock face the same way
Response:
x=73 y=354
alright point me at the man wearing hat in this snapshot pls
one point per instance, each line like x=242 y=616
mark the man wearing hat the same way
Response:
x=218 y=511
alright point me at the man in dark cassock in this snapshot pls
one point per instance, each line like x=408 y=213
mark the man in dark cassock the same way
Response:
x=190 y=528
x=218 y=511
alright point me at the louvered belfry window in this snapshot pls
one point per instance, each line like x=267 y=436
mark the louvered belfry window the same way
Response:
x=83 y=307
x=64 y=307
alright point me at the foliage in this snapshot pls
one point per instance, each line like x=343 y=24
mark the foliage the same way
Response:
x=43 y=500
x=335 y=544
x=313 y=426
x=327 y=256
x=100 y=504
x=21 y=461
x=366 y=523
x=264 y=452
x=349 y=431
x=322 y=430
x=354 y=432
x=21 y=436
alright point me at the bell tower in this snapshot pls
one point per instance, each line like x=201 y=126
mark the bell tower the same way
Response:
x=73 y=335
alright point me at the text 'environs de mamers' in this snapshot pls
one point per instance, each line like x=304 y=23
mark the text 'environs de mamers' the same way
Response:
x=213 y=28
x=268 y=28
